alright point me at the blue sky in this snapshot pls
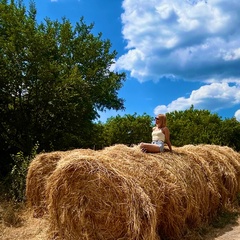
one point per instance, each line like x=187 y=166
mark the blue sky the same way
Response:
x=176 y=53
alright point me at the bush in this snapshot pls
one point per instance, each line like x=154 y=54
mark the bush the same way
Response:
x=18 y=174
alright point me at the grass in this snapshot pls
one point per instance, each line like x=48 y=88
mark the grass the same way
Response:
x=17 y=222
x=220 y=223
x=224 y=218
x=10 y=213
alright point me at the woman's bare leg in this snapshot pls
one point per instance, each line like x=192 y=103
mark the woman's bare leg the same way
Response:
x=150 y=148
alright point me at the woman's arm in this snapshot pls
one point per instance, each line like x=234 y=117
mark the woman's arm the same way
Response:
x=167 y=138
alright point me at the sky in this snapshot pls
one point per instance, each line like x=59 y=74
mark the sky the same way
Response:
x=175 y=53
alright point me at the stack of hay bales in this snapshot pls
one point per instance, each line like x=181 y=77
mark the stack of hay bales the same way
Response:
x=122 y=193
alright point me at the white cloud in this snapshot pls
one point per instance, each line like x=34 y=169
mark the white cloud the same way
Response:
x=237 y=115
x=193 y=40
x=214 y=96
x=231 y=55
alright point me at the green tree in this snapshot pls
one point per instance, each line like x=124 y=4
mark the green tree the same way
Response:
x=99 y=141
x=194 y=126
x=129 y=129
x=54 y=78
x=230 y=133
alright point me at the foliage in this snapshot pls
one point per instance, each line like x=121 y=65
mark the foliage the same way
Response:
x=54 y=78
x=19 y=173
x=98 y=139
x=190 y=126
x=230 y=133
x=194 y=126
x=129 y=129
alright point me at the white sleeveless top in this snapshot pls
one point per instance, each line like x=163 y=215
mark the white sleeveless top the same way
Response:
x=158 y=135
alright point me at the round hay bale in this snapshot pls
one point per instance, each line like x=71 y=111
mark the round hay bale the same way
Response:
x=182 y=207
x=230 y=157
x=122 y=193
x=88 y=200
x=148 y=174
x=38 y=171
x=40 y=168
x=195 y=177
x=224 y=163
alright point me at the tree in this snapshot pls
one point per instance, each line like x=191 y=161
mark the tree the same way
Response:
x=129 y=129
x=54 y=78
x=230 y=133
x=194 y=126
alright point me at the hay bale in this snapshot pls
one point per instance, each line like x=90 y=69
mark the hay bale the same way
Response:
x=38 y=171
x=120 y=192
x=230 y=157
x=224 y=163
x=40 y=168
x=183 y=207
x=88 y=200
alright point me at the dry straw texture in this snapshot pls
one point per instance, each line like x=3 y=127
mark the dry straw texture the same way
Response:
x=122 y=193
x=39 y=170
x=89 y=199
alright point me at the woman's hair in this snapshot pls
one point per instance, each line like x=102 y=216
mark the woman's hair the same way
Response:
x=162 y=120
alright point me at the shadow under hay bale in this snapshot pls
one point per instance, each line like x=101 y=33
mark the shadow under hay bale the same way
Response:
x=39 y=170
x=122 y=193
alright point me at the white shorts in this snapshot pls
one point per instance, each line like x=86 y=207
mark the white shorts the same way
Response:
x=160 y=144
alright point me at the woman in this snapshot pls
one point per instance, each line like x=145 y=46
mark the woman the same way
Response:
x=160 y=135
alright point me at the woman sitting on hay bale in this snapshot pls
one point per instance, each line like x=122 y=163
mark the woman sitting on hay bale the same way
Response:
x=160 y=134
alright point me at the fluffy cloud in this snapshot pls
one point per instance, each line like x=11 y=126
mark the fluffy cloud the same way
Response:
x=214 y=96
x=237 y=115
x=187 y=39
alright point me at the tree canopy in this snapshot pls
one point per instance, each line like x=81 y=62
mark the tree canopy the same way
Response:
x=129 y=129
x=54 y=78
x=194 y=126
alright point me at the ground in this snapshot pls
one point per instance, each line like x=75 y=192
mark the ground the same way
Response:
x=229 y=232
x=31 y=228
